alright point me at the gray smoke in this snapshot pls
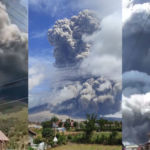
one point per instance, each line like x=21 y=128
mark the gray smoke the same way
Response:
x=78 y=88
x=136 y=118
x=13 y=49
x=136 y=107
x=136 y=79
x=135 y=82
x=97 y=95
x=66 y=37
x=136 y=34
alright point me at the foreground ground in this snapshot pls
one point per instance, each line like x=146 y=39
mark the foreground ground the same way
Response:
x=13 y=123
x=87 y=147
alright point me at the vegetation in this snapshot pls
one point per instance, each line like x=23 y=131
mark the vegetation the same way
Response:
x=105 y=138
x=86 y=147
x=14 y=125
x=91 y=131
x=89 y=126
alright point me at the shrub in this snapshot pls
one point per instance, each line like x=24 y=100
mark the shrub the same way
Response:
x=37 y=140
x=62 y=139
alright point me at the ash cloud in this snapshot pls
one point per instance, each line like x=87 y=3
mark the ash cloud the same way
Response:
x=66 y=37
x=78 y=88
x=136 y=118
x=136 y=34
x=136 y=107
x=135 y=82
x=13 y=52
x=136 y=72
x=91 y=95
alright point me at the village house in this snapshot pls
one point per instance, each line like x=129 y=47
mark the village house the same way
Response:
x=3 y=141
x=32 y=135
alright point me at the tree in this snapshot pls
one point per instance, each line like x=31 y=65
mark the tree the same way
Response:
x=48 y=134
x=67 y=124
x=54 y=119
x=47 y=124
x=75 y=124
x=90 y=126
x=60 y=124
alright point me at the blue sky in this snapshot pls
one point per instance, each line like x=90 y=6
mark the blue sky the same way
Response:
x=39 y=23
x=40 y=50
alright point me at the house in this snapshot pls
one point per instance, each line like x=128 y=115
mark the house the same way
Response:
x=61 y=130
x=32 y=135
x=132 y=147
x=3 y=141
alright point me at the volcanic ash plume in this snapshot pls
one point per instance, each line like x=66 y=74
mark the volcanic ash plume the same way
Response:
x=66 y=37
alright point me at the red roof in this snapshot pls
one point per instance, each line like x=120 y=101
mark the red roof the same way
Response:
x=3 y=137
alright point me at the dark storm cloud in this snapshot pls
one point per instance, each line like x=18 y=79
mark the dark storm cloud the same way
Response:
x=66 y=37
x=13 y=52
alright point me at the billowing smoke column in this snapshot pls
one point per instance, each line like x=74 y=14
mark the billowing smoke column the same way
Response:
x=136 y=107
x=79 y=92
x=92 y=95
x=66 y=37
x=13 y=50
x=136 y=33
x=136 y=76
x=136 y=118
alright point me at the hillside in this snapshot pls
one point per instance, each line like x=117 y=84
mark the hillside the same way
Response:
x=13 y=123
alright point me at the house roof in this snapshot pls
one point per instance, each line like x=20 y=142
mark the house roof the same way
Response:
x=31 y=132
x=3 y=137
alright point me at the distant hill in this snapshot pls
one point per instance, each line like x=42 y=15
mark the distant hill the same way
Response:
x=7 y=108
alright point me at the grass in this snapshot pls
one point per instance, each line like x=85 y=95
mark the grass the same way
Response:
x=12 y=107
x=87 y=147
x=14 y=125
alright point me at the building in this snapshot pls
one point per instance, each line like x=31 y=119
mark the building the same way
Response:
x=3 y=141
x=18 y=13
x=132 y=147
x=32 y=135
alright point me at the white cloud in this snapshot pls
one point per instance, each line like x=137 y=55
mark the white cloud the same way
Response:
x=37 y=72
x=105 y=51
x=38 y=34
x=114 y=115
x=135 y=82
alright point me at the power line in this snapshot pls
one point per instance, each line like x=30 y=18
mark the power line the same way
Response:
x=14 y=17
x=11 y=87
x=13 y=101
x=13 y=81
x=8 y=4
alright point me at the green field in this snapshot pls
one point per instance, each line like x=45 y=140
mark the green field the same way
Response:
x=87 y=147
